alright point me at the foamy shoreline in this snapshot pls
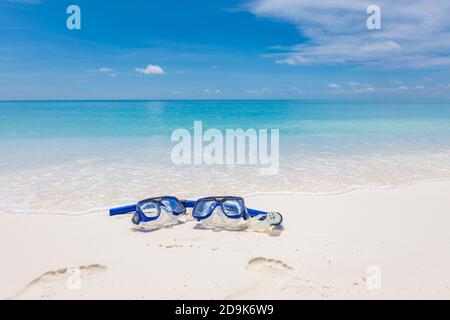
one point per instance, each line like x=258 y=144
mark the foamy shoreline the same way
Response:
x=16 y=209
x=324 y=252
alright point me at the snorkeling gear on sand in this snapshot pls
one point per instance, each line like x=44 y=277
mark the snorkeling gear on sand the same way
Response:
x=226 y=212
x=155 y=212
x=231 y=213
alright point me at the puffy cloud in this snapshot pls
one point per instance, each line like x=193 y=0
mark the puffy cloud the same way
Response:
x=415 y=34
x=150 y=69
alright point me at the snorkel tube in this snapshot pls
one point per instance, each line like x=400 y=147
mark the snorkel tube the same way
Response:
x=122 y=210
x=254 y=212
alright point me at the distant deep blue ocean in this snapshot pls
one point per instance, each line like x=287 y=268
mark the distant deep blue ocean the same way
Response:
x=74 y=157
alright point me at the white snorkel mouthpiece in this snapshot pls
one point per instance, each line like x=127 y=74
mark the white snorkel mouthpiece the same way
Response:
x=266 y=222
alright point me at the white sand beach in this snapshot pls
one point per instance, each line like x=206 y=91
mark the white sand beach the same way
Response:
x=324 y=251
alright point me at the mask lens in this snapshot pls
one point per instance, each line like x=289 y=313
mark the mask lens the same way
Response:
x=149 y=209
x=204 y=208
x=233 y=207
x=173 y=204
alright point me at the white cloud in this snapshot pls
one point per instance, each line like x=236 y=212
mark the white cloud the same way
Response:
x=150 y=69
x=352 y=87
x=360 y=87
x=334 y=86
x=292 y=60
x=105 y=70
x=420 y=87
x=216 y=91
x=381 y=46
x=414 y=34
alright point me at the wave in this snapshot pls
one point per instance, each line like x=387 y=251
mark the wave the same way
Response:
x=23 y=209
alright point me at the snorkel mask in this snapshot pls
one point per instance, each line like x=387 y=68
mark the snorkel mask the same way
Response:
x=230 y=213
x=153 y=213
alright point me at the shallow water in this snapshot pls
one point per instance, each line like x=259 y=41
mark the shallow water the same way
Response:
x=80 y=157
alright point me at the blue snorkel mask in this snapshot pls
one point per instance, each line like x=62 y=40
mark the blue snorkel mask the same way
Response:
x=230 y=212
x=227 y=212
x=155 y=213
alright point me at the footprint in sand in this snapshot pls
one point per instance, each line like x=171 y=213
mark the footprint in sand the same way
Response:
x=261 y=264
x=63 y=280
x=275 y=273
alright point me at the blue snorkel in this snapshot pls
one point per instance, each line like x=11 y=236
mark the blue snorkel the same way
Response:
x=122 y=210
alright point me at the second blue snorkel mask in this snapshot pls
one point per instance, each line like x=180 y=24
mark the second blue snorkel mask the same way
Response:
x=230 y=212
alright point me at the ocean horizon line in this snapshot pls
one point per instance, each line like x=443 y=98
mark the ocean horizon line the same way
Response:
x=361 y=100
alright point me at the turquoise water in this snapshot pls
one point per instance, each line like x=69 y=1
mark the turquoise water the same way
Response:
x=158 y=118
x=73 y=157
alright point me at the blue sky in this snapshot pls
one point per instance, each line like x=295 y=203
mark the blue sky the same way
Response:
x=203 y=49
